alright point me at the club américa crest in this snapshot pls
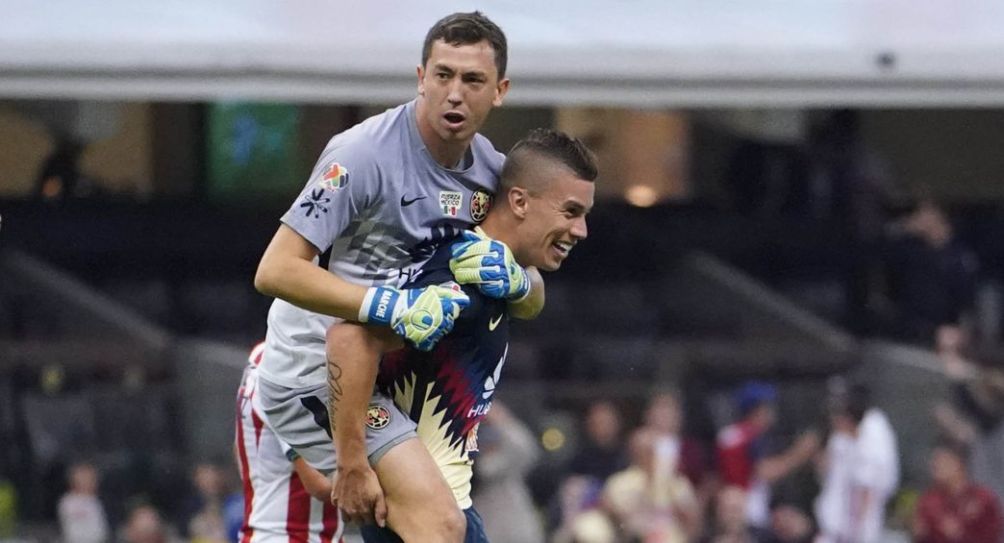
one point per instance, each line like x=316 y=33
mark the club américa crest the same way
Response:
x=481 y=202
x=377 y=416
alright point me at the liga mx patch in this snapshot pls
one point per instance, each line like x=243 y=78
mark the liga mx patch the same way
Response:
x=481 y=202
x=335 y=177
x=377 y=417
x=451 y=202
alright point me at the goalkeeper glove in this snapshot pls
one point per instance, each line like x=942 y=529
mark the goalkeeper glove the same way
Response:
x=490 y=265
x=421 y=315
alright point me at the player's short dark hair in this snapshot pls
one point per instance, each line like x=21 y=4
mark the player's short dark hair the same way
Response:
x=552 y=145
x=465 y=29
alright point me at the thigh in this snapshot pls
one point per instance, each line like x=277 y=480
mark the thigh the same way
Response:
x=475 y=532
x=418 y=497
x=300 y=418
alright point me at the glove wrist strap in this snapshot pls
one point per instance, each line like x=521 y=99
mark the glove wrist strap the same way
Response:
x=529 y=288
x=378 y=305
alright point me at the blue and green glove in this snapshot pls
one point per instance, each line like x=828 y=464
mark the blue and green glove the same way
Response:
x=489 y=264
x=421 y=316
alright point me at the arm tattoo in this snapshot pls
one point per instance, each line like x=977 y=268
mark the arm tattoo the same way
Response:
x=334 y=391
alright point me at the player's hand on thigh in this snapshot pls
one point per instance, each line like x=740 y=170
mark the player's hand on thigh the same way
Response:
x=357 y=492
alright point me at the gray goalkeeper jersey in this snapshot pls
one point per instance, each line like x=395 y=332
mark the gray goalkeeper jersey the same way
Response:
x=380 y=204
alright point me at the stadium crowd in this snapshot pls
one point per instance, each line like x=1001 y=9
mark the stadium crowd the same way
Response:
x=655 y=482
x=652 y=480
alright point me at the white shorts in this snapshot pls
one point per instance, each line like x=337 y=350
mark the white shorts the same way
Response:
x=300 y=418
x=277 y=507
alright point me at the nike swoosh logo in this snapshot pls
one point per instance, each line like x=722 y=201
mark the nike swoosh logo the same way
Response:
x=494 y=323
x=406 y=202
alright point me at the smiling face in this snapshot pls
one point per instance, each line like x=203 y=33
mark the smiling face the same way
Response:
x=458 y=86
x=545 y=191
x=554 y=219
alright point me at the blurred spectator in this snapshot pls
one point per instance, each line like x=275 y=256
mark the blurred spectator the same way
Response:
x=862 y=468
x=977 y=376
x=954 y=509
x=962 y=419
x=60 y=177
x=598 y=454
x=932 y=274
x=651 y=500
x=730 y=525
x=665 y=419
x=789 y=524
x=233 y=515
x=592 y=526
x=836 y=466
x=144 y=524
x=81 y=514
x=508 y=451
x=601 y=452
x=742 y=456
x=975 y=415
x=579 y=517
x=203 y=521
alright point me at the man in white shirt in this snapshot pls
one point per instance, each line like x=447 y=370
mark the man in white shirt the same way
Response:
x=862 y=470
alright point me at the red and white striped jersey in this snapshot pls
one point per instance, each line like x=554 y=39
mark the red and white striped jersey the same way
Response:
x=277 y=507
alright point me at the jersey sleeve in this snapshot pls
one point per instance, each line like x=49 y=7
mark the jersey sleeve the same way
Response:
x=343 y=186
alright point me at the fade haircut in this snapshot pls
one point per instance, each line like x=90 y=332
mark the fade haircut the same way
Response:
x=466 y=29
x=550 y=145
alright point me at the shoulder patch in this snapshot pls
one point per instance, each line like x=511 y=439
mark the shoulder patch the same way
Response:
x=335 y=177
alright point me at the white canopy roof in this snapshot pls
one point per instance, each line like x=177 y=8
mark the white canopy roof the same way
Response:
x=650 y=53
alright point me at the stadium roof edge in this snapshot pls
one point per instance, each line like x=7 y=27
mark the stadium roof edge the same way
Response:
x=658 y=53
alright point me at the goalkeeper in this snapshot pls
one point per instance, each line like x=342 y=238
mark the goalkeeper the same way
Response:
x=545 y=192
x=382 y=197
